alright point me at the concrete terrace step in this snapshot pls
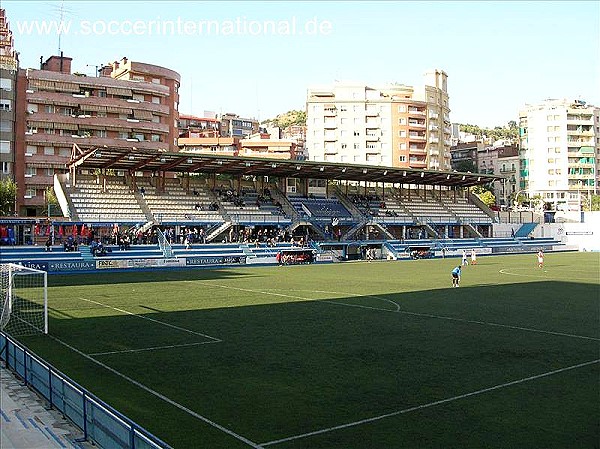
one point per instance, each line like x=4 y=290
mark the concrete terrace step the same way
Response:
x=26 y=423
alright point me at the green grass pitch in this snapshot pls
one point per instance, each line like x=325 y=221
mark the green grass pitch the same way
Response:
x=379 y=355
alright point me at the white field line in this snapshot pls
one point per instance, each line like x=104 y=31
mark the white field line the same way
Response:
x=143 y=317
x=431 y=404
x=539 y=276
x=404 y=312
x=155 y=348
x=161 y=396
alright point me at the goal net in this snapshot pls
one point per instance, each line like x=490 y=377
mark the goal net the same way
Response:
x=23 y=300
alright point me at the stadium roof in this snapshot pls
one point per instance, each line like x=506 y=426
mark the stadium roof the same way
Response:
x=132 y=159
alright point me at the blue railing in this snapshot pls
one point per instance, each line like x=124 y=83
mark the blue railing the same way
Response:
x=100 y=423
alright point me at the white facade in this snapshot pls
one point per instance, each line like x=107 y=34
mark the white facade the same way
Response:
x=559 y=152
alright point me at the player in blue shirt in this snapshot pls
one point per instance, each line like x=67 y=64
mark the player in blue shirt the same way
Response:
x=456 y=276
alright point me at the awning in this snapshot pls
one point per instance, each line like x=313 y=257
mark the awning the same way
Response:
x=119 y=91
x=117 y=110
x=61 y=86
x=92 y=107
x=39 y=124
x=62 y=125
x=41 y=84
x=142 y=115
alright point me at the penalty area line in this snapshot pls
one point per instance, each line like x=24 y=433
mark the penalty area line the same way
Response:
x=431 y=404
x=143 y=317
x=154 y=348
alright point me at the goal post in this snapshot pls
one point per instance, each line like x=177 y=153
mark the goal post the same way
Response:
x=23 y=300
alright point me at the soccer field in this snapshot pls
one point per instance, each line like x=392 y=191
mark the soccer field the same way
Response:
x=379 y=355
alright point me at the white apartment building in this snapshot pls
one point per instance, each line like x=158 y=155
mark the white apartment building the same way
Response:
x=394 y=125
x=560 y=152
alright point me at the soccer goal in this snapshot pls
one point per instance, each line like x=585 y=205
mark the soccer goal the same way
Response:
x=23 y=300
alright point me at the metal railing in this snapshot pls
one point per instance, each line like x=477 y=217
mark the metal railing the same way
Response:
x=100 y=423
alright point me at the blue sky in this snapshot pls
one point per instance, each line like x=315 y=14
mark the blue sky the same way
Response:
x=498 y=55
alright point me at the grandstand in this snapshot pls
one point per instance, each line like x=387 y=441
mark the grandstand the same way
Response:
x=215 y=209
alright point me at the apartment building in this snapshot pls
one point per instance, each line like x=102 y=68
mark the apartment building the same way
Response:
x=130 y=105
x=9 y=64
x=192 y=126
x=507 y=164
x=394 y=125
x=232 y=125
x=560 y=152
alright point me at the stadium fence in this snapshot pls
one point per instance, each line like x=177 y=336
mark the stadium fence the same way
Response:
x=100 y=423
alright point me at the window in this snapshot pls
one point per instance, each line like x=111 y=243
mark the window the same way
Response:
x=102 y=93
x=138 y=97
x=402 y=146
x=6 y=84
x=49 y=109
x=155 y=138
x=401 y=108
x=6 y=168
x=344 y=121
x=30 y=171
x=101 y=133
x=402 y=158
x=5 y=105
x=401 y=133
x=49 y=151
x=157 y=81
x=156 y=100
x=4 y=147
x=357 y=146
x=401 y=121
x=101 y=114
x=344 y=146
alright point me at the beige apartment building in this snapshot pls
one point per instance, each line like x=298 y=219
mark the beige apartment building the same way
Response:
x=394 y=125
x=560 y=152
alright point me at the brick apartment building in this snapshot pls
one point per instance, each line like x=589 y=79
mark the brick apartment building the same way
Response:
x=130 y=104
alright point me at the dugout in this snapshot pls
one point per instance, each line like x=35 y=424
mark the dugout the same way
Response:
x=295 y=256
x=420 y=252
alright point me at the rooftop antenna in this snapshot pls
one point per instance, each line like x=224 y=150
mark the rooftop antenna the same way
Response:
x=60 y=23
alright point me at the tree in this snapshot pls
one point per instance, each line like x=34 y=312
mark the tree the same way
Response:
x=287 y=119
x=596 y=202
x=488 y=198
x=51 y=200
x=465 y=166
x=8 y=195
